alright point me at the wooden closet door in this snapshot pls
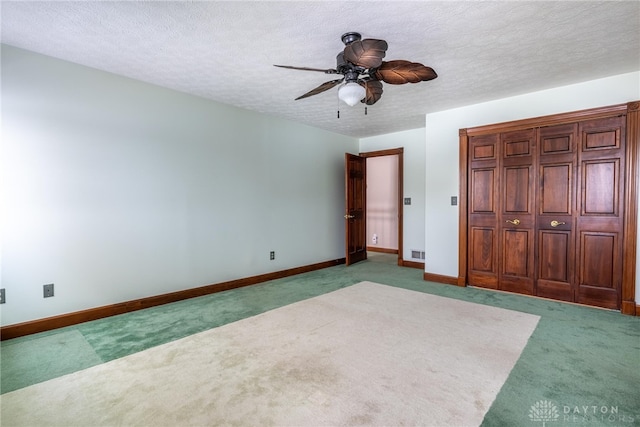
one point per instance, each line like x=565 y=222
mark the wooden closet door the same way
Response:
x=600 y=219
x=556 y=203
x=517 y=212
x=482 y=234
x=567 y=180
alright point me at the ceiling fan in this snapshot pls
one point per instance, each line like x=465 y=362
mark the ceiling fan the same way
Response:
x=363 y=71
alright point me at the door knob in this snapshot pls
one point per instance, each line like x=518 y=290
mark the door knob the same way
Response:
x=514 y=221
x=555 y=223
x=349 y=216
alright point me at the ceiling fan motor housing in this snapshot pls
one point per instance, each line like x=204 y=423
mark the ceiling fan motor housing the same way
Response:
x=349 y=70
x=348 y=38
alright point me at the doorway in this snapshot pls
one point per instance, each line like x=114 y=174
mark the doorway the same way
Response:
x=384 y=202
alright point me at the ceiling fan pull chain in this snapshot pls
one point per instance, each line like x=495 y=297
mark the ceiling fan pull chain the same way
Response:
x=366 y=89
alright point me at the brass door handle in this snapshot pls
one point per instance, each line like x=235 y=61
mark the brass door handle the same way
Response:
x=514 y=221
x=555 y=223
x=349 y=216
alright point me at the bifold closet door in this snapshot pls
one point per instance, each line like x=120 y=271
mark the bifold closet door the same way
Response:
x=600 y=220
x=483 y=215
x=516 y=223
x=546 y=209
x=555 y=222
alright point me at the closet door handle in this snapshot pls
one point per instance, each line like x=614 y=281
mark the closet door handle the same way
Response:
x=514 y=221
x=555 y=223
x=349 y=216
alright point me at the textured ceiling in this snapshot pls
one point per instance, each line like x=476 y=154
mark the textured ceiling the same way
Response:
x=225 y=51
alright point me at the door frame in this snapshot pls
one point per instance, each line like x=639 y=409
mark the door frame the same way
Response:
x=631 y=183
x=400 y=153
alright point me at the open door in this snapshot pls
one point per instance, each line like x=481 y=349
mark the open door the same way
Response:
x=355 y=208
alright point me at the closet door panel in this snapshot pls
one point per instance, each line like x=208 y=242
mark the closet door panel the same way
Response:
x=517 y=238
x=517 y=261
x=554 y=256
x=555 y=265
x=556 y=189
x=482 y=197
x=517 y=189
x=483 y=259
x=599 y=269
x=600 y=215
x=483 y=211
x=600 y=183
x=556 y=208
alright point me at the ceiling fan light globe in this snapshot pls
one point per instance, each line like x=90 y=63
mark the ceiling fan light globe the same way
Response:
x=351 y=93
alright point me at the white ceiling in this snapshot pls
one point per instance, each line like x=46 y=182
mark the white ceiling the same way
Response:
x=225 y=51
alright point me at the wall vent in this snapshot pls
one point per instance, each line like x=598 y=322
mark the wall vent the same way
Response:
x=415 y=254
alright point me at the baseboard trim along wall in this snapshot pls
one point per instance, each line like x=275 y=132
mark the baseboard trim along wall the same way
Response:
x=630 y=308
x=69 y=319
x=381 y=250
x=438 y=278
x=411 y=264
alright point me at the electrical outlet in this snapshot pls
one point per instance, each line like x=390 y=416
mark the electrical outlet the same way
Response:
x=47 y=290
x=2 y=300
x=272 y=255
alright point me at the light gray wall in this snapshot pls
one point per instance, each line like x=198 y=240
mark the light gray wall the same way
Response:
x=115 y=189
x=442 y=150
x=413 y=142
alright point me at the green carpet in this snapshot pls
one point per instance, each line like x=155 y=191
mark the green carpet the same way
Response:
x=367 y=354
x=42 y=357
x=580 y=361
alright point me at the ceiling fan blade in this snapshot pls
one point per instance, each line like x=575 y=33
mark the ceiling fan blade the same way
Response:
x=400 y=72
x=373 y=91
x=367 y=53
x=323 y=87
x=326 y=71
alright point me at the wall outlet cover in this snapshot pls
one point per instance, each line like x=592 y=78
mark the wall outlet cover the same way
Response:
x=47 y=290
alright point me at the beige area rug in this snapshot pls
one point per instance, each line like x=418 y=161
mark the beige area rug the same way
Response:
x=368 y=354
